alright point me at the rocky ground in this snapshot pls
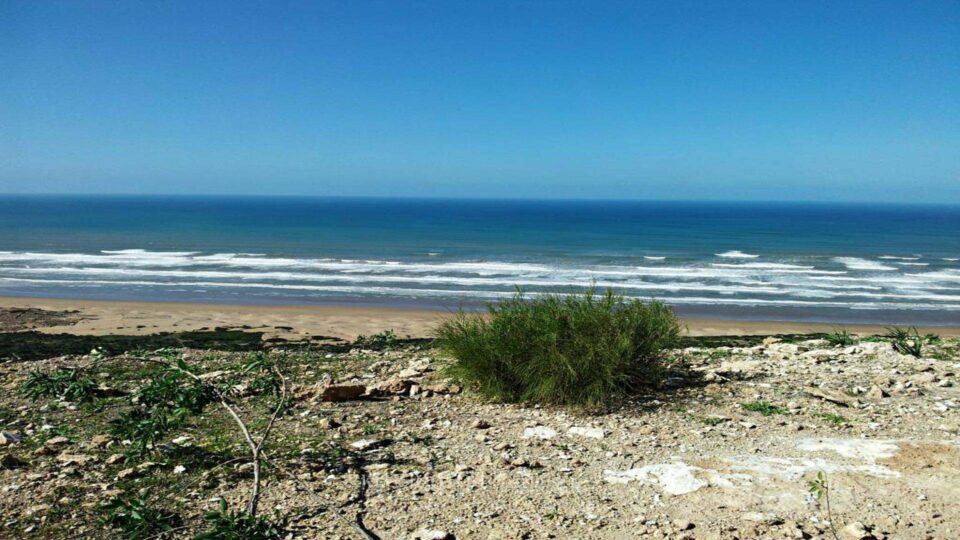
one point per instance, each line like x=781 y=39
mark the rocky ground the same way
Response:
x=726 y=447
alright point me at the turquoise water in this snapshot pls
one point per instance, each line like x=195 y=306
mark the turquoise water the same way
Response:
x=840 y=263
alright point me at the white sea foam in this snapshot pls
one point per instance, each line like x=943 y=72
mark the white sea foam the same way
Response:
x=855 y=263
x=478 y=294
x=735 y=254
x=797 y=281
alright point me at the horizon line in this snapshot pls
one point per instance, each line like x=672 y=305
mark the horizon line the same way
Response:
x=478 y=198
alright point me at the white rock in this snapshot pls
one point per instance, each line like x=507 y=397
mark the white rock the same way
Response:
x=592 y=433
x=364 y=444
x=539 y=432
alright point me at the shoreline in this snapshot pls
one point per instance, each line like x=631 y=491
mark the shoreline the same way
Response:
x=106 y=317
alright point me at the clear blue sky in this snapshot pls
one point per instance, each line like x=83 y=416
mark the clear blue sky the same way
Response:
x=794 y=100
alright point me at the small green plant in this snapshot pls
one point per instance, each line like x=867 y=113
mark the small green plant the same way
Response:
x=68 y=384
x=906 y=341
x=162 y=404
x=372 y=429
x=141 y=427
x=719 y=354
x=580 y=349
x=764 y=408
x=821 y=491
x=135 y=519
x=840 y=338
x=172 y=391
x=834 y=419
x=378 y=342
x=225 y=524
x=713 y=420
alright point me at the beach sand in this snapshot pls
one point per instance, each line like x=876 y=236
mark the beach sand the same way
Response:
x=346 y=322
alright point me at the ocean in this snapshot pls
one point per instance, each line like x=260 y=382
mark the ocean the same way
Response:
x=842 y=263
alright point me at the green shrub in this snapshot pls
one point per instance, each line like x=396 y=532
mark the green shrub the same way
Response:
x=840 y=338
x=378 y=342
x=69 y=384
x=232 y=525
x=135 y=519
x=162 y=404
x=586 y=349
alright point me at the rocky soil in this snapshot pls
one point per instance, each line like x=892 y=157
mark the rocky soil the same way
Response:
x=726 y=447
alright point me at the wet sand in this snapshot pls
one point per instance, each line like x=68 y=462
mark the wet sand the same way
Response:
x=137 y=318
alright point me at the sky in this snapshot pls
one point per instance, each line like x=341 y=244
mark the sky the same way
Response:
x=766 y=100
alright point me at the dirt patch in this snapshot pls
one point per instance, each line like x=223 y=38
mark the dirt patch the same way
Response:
x=917 y=457
x=13 y=319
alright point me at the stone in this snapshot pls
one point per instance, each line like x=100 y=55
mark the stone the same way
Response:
x=114 y=459
x=876 y=393
x=591 y=433
x=761 y=517
x=132 y=472
x=101 y=440
x=443 y=388
x=855 y=531
x=391 y=386
x=682 y=525
x=329 y=423
x=75 y=459
x=9 y=438
x=431 y=534
x=56 y=441
x=409 y=373
x=340 y=392
x=480 y=423
x=833 y=397
x=539 y=432
x=363 y=445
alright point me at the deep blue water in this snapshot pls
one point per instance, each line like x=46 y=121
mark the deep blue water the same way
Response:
x=830 y=262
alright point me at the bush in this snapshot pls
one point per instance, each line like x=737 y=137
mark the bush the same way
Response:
x=383 y=341
x=586 y=349
x=69 y=384
x=135 y=518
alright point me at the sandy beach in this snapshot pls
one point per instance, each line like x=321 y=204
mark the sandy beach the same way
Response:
x=347 y=322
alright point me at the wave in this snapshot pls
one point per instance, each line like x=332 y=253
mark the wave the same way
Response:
x=735 y=254
x=472 y=293
x=855 y=263
x=798 y=278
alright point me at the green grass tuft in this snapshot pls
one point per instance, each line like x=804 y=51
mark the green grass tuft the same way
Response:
x=764 y=408
x=586 y=349
x=906 y=341
x=841 y=338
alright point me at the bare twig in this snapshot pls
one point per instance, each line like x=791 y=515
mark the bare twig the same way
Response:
x=255 y=446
